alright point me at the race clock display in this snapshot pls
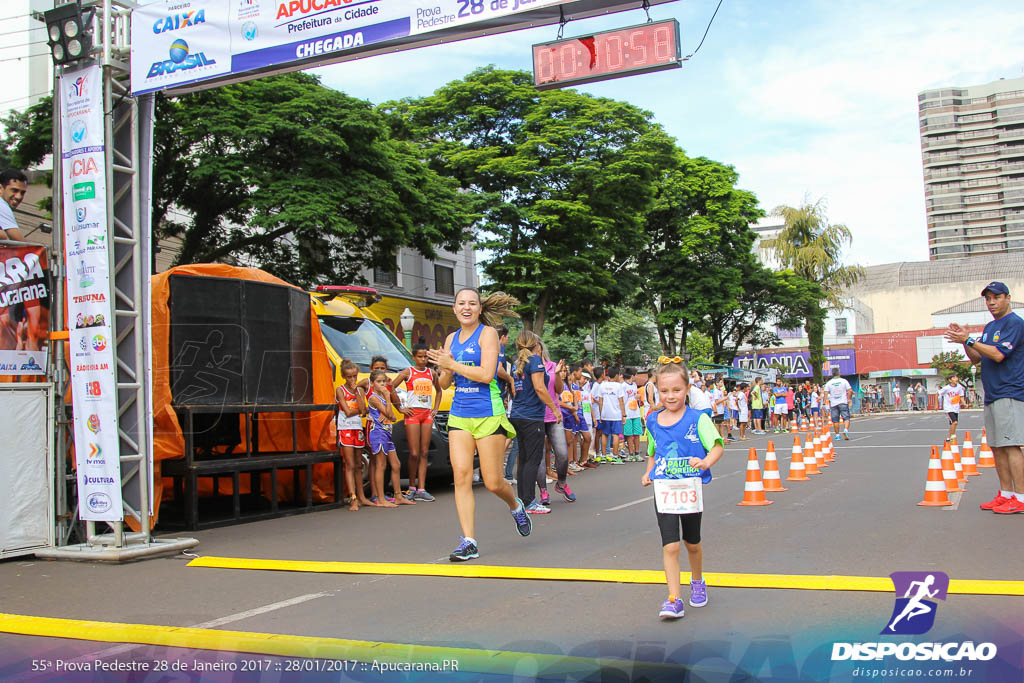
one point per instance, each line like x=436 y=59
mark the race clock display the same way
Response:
x=610 y=54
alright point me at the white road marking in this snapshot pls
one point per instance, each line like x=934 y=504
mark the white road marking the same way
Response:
x=955 y=499
x=121 y=649
x=626 y=505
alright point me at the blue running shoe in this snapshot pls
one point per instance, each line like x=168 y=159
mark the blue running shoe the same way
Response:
x=423 y=495
x=698 y=594
x=466 y=550
x=672 y=609
x=523 y=524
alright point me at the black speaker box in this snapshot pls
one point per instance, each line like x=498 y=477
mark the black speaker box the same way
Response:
x=239 y=342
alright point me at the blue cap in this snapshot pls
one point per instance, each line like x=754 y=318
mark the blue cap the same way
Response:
x=995 y=288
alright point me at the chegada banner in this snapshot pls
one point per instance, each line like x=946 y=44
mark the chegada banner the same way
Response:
x=91 y=356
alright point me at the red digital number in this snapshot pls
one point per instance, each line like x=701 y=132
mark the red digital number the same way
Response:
x=663 y=51
x=545 y=66
x=567 y=54
x=637 y=41
x=613 y=55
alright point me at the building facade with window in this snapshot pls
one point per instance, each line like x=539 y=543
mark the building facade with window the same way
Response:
x=972 y=148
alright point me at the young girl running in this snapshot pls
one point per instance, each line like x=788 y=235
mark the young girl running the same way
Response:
x=682 y=445
x=381 y=445
x=422 y=386
x=570 y=409
x=477 y=421
x=351 y=408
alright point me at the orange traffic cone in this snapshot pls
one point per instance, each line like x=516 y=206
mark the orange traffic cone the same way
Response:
x=772 y=478
x=958 y=466
x=949 y=470
x=935 y=487
x=753 y=489
x=797 y=471
x=810 y=460
x=803 y=424
x=819 y=450
x=985 y=455
x=970 y=464
x=831 y=456
x=793 y=426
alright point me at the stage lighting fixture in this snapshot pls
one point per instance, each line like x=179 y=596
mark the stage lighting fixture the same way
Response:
x=69 y=32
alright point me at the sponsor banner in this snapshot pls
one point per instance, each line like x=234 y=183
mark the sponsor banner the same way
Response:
x=93 y=382
x=24 y=310
x=177 y=42
x=798 y=363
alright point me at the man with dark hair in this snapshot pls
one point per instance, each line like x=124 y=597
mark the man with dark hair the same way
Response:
x=13 y=184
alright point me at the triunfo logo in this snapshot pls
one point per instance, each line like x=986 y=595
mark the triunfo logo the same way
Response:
x=175 y=22
x=180 y=60
x=914 y=614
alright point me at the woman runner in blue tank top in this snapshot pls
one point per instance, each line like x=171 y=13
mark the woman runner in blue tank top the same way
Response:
x=477 y=422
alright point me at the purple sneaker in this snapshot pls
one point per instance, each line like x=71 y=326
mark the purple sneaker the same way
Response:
x=698 y=594
x=672 y=609
x=566 y=491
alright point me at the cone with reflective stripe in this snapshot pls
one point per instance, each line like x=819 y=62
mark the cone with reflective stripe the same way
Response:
x=803 y=424
x=797 y=471
x=985 y=455
x=819 y=450
x=949 y=470
x=794 y=428
x=810 y=460
x=935 y=486
x=958 y=466
x=830 y=454
x=970 y=464
x=772 y=478
x=753 y=489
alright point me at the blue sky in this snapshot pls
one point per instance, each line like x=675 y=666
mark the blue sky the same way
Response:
x=804 y=98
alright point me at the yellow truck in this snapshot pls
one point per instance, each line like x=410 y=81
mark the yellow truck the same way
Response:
x=352 y=331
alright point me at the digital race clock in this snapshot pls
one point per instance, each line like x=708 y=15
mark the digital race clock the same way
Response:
x=610 y=54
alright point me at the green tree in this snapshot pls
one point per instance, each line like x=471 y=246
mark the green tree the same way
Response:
x=767 y=300
x=561 y=180
x=293 y=177
x=700 y=348
x=617 y=340
x=952 y=363
x=27 y=138
x=698 y=250
x=812 y=248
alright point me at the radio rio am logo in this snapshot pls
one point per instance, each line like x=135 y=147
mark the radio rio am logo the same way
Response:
x=914 y=613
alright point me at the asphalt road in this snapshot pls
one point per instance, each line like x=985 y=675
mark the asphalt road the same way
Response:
x=858 y=518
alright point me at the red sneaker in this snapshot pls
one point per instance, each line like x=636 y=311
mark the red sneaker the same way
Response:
x=1009 y=508
x=995 y=502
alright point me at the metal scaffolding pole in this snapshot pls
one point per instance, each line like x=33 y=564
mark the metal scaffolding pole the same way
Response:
x=128 y=148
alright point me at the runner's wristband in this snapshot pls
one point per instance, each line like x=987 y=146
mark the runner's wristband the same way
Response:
x=970 y=342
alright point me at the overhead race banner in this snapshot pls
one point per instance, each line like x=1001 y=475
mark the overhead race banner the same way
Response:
x=24 y=310
x=177 y=42
x=798 y=363
x=91 y=357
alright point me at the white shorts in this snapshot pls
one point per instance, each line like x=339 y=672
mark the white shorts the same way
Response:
x=781 y=410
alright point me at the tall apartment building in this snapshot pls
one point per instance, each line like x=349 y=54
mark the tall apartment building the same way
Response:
x=972 y=145
x=24 y=55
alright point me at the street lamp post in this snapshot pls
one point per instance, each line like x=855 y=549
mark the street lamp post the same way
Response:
x=589 y=345
x=408 y=320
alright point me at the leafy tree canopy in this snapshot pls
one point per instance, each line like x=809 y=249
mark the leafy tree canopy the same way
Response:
x=561 y=180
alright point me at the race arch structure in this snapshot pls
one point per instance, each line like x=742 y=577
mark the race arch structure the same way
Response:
x=160 y=47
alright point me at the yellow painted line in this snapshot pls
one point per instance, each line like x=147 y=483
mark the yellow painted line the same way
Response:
x=522 y=664
x=881 y=584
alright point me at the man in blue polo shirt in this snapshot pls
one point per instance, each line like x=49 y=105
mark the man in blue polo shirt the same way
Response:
x=1002 y=371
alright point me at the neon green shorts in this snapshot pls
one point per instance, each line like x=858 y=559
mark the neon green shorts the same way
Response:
x=482 y=427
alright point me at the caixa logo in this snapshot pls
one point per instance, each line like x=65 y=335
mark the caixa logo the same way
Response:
x=180 y=60
x=914 y=614
x=98 y=502
x=175 y=22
